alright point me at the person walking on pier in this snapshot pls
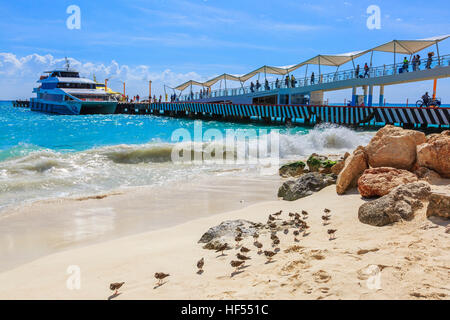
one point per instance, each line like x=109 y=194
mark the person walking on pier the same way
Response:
x=366 y=71
x=252 y=87
x=312 y=78
x=266 y=85
x=277 y=84
x=357 y=71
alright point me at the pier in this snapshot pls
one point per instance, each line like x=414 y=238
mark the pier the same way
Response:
x=354 y=116
x=21 y=103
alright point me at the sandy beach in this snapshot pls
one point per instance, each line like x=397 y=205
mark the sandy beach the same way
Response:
x=413 y=259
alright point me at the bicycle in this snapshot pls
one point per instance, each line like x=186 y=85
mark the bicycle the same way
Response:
x=431 y=103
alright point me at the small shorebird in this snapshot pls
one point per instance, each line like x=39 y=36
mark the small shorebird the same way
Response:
x=222 y=248
x=297 y=216
x=236 y=264
x=277 y=214
x=256 y=235
x=269 y=255
x=327 y=211
x=305 y=214
x=271 y=218
x=239 y=230
x=305 y=227
x=244 y=250
x=276 y=242
x=296 y=234
x=238 y=239
x=242 y=257
x=200 y=264
x=331 y=233
x=291 y=215
x=273 y=236
x=286 y=231
x=160 y=276
x=272 y=225
x=325 y=219
x=259 y=245
x=116 y=286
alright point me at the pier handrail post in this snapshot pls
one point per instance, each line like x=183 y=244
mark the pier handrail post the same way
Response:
x=437 y=51
x=395 y=67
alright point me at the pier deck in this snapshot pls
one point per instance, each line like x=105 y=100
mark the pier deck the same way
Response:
x=408 y=117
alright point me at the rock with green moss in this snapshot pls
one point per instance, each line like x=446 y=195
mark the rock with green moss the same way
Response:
x=293 y=169
x=314 y=163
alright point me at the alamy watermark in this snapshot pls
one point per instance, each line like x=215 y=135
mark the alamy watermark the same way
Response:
x=235 y=147
x=374 y=19
x=74 y=20
x=73 y=282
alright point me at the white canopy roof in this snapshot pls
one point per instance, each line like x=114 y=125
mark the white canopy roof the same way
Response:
x=188 y=84
x=336 y=60
x=409 y=46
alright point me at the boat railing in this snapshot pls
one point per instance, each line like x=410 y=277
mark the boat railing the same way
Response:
x=372 y=72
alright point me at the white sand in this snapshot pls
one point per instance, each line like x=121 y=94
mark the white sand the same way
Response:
x=414 y=261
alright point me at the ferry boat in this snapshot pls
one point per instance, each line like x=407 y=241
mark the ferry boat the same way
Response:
x=63 y=91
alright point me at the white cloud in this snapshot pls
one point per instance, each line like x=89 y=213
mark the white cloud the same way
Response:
x=18 y=75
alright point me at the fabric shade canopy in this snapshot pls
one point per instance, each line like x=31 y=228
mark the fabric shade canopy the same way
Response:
x=188 y=84
x=409 y=46
x=224 y=76
x=336 y=60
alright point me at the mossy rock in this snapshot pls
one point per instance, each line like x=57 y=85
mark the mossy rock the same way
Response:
x=292 y=169
x=314 y=163
x=328 y=163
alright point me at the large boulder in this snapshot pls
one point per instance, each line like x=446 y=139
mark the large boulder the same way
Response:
x=439 y=205
x=337 y=168
x=227 y=229
x=400 y=203
x=354 y=166
x=376 y=182
x=304 y=186
x=426 y=174
x=435 y=153
x=293 y=169
x=394 y=147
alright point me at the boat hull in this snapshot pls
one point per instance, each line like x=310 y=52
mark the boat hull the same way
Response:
x=73 y=107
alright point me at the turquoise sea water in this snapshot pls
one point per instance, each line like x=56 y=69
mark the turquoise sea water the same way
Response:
x=45 y=155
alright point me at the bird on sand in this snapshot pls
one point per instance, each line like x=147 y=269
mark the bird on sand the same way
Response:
x=273 y=236
x=272 y=225
x=286 y=231
x=325 y=219
x=297 y=216
x=291 y=215
x=242 y=257
x=222 y=248
x=116 y=286
x=256 y=235
x=296 y=234
x=327 y=211
x=236 y=264
x=200 y=264
x=269 y=255
x=277 y=214
x=239 y=230
x=160 y=276
x=259 y=245
x=305 y=227
x=331 y=232
x=271 y=218
x=238 y=239
x=244 y=250
x=276 y=242
x=305 y=214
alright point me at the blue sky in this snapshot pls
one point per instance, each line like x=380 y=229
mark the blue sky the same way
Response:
x=171 y=41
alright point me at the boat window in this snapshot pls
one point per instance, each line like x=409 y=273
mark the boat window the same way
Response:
x=71 y=85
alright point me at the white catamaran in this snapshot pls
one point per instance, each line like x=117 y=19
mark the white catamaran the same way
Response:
x=65 y=92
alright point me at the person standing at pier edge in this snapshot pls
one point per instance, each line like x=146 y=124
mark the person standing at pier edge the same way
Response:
x=366 y=70
x=405 y=65
x=312 y=78
x=357 y=71
x=430 y=59
x=258 y=85
x=252 y=87
x=417 y=62
x=293 y=81
x=277 y=84
x=137 y=98
x=286 y=81
x=266 y=85
x=414 y=63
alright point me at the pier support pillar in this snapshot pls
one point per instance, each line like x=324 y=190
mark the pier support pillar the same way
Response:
x=365 y=95
x=353 y=96
x=380 y=102
x=369 y=102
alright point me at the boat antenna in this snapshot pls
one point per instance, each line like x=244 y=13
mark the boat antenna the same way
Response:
x=67 y=64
